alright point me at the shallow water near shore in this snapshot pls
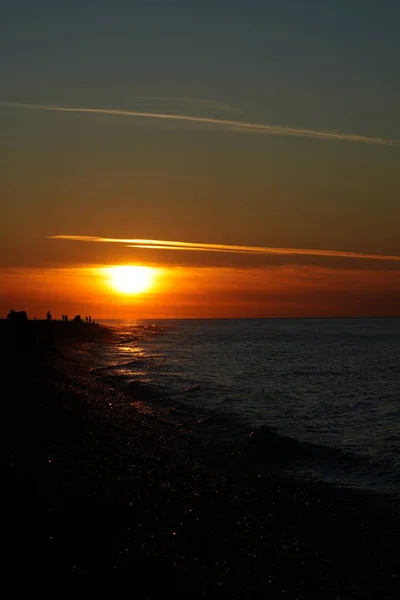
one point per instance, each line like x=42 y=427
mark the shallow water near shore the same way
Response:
x=95 y=483
x=323 y=391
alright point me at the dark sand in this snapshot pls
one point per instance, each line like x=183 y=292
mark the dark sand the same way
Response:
x=93 y=488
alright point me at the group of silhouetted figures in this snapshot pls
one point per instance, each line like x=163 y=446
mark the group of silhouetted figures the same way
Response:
x=78 y=319
x=21 y=316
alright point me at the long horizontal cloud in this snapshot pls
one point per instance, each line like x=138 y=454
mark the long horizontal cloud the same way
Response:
x=194 y=246
x=227 y=124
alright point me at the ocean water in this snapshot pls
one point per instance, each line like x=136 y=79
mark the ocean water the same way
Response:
x=330 y=386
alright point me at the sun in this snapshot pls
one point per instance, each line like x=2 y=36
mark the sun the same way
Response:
x=131 y=280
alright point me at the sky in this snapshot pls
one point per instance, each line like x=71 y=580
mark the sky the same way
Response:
x=257 y=123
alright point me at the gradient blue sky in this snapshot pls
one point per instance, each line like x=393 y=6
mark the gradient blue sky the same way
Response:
x=327 y=66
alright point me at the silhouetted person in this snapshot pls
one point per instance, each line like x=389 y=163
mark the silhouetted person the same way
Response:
x=48 y=316
x=62 y=317
x=86 y=319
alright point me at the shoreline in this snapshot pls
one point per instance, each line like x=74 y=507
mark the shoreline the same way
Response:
x=112 y=489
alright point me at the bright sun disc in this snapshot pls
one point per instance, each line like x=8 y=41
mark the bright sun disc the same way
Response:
x=131 y=280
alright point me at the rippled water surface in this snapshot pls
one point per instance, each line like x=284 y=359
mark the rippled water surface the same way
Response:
x=333 y=385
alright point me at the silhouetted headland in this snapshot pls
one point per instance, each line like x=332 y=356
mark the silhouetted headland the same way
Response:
x=91 y=486
x=23 y=336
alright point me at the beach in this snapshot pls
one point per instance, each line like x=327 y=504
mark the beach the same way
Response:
x=93 y=486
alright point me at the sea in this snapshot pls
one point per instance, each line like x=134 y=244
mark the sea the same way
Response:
x=327 y=388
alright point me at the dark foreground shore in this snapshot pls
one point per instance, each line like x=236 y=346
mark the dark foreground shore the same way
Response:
x=93 y=489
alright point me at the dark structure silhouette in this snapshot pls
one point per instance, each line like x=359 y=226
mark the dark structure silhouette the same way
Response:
x=48 y=316
x=17 y=316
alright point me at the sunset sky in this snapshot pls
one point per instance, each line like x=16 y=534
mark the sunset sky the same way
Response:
x=229 y=123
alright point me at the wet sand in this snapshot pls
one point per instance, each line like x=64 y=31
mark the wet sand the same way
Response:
x=93 y=488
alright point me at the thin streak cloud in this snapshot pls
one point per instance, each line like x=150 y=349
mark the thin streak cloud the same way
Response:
x=224 y=123
x=186 y=248
x=199 y=247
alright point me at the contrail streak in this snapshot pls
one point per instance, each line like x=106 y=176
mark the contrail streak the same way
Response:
x=229 y=124
x=199 y=247
x=186 y=248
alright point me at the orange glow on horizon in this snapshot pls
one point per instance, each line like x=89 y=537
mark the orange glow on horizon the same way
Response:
x=155 y=292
